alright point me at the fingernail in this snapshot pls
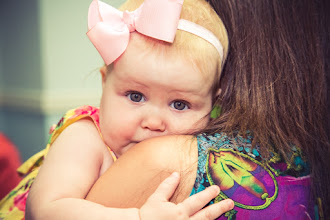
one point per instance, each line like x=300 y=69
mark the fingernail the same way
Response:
x=175 y=175
x=217 y=188
x=230 y=203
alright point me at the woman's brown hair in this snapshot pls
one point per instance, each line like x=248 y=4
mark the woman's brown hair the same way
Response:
x=275 y=79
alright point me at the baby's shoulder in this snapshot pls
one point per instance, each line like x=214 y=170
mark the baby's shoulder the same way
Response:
x=82 y=129
x=71 y=117
x=81 y=137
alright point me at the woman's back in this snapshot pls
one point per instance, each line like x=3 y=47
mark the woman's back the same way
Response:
x=262 y=188
x=277 y=74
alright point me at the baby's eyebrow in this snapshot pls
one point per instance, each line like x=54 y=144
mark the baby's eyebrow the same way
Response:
x=191 y=90
x=192 y=96
x=130 y=81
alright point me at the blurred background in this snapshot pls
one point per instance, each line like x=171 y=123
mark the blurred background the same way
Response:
x=47 y=66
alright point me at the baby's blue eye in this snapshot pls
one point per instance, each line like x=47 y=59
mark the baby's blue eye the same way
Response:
x=136 y=97
x=179 y=105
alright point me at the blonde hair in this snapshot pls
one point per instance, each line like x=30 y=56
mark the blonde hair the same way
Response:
x=198 y=50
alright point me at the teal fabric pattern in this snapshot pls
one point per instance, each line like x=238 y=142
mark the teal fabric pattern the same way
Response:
x=261 y=188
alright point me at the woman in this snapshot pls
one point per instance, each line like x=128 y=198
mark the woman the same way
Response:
x=269 y=148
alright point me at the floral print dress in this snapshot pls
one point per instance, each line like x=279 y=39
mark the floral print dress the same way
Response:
x=12 y=206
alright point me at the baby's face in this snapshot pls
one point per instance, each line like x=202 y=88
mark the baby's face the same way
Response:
x=147 y=95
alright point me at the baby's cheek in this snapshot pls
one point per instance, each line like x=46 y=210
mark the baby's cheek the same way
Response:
x=125 y=132
x=200 y=124
x=126 y=126
x=190 y=126
x=115 y=128
x=204 y=122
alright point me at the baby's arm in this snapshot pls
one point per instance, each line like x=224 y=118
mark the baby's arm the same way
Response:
x=70 y=169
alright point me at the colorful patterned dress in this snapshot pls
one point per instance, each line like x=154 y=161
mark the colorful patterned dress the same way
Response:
x=12 y=206
x=261 y=189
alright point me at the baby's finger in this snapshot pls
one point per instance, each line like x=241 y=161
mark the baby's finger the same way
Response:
x=196 y=202
x=166 y=189
x=215 y=210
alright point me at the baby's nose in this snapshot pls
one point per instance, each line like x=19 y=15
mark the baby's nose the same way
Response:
x=154 y=122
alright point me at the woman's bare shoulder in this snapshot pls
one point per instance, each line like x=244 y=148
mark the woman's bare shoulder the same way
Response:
x=161 y=149
x=137 y=173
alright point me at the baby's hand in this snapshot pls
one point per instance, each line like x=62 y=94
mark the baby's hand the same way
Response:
x=159 y=207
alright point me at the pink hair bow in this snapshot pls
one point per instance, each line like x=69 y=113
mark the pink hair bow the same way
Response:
x=109 y=28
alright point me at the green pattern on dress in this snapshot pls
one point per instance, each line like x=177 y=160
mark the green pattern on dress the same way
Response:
x=226 y=166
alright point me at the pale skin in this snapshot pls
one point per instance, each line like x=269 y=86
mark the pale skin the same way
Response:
x=157 y=97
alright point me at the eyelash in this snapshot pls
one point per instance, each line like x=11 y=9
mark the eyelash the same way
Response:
x=130 y=93
x=142 y=97
x=186 y=105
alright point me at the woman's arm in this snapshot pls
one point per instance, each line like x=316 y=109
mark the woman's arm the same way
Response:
x=135 y=176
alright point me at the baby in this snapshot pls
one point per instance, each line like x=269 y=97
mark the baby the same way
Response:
x=161 y=77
